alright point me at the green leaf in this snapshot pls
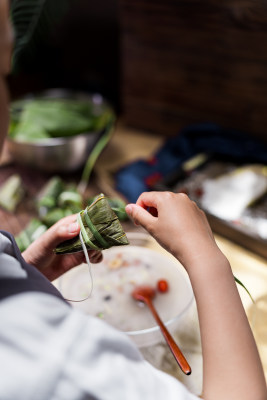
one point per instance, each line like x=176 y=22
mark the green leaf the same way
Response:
x=244 y=287
x=99 y=147
x=48 y=196
x=44 y=118
x=100 y=228
x=116 y=204
x=55 y=215
x=11 y=193
x=33 y=230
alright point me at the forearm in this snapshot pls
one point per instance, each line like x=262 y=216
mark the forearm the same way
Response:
x=232 y=368
x=231 y=364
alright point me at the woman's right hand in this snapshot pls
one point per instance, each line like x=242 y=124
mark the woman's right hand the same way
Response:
x=177 y=224
x=231 y=365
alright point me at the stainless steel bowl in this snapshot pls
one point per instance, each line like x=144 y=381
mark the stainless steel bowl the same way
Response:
x=59 y=154
x=54 y=155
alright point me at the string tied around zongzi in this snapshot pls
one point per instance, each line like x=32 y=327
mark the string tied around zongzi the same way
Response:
x=100 y=228
x=104 y=244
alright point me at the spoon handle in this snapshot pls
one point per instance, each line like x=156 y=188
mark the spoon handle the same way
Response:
x=178 y=355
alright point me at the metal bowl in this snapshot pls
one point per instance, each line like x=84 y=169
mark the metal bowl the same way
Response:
x=56 y=154
x=59 y=154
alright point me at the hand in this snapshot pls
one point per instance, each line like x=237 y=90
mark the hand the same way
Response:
x=176 y=223
x=40 y=252
x=230 y=361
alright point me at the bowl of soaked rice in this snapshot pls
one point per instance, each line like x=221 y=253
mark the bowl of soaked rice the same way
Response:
x=106 y=289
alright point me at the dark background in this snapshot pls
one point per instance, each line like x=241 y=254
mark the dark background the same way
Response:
x=81 y=52
x=162 y=64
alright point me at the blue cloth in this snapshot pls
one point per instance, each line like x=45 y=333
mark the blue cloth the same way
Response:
x=139 y=176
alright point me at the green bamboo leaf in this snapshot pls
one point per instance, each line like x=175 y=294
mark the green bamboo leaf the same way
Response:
x=11 y=193
x=48 y=196
x=117 y=205
x=100 y=229
x=244 y=287
x=70 y=198
x=33 y=230
x=99 y=147
x=55 y=215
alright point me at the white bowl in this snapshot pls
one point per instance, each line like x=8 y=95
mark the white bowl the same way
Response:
x=114 y=279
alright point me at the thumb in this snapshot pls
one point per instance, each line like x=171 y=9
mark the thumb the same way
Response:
x=139 y=215
x=57 y=233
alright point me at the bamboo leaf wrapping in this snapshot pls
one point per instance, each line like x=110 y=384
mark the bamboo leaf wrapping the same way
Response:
x=33 y=230
x=12 y=193
x=100 y=228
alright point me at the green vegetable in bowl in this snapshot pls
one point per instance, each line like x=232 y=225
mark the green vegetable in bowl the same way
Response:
x=49 y=118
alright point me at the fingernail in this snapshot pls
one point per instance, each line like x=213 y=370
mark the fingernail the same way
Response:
x=74 y=227
x=129 y=209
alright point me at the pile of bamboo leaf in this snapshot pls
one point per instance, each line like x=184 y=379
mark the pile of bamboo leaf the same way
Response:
x=57 y=200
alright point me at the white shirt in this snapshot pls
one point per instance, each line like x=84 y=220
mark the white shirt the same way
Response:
x=50 y=351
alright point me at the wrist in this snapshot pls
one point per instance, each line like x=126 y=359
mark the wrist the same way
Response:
x=207 y=264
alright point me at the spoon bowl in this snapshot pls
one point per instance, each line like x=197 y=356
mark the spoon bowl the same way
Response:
x=146 y=294
x=141 y=293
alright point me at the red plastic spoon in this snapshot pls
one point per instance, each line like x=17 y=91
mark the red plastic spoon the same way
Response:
x=146 y=294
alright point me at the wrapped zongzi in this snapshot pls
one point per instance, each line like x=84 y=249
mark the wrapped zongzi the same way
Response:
x=33 y=230
x=47 y=198
x=100 y=229
x=11 y=193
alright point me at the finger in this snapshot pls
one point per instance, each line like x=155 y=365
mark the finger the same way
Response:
x=140 y=215
x=64 y=229
x=149 y=199
x=96 y=256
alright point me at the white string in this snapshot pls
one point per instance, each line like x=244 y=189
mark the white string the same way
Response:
x=89 y=268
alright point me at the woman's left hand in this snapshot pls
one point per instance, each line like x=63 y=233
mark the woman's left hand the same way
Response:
x=40 y=252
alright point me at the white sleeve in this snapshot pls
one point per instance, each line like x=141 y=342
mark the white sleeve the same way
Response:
x=49 y=351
